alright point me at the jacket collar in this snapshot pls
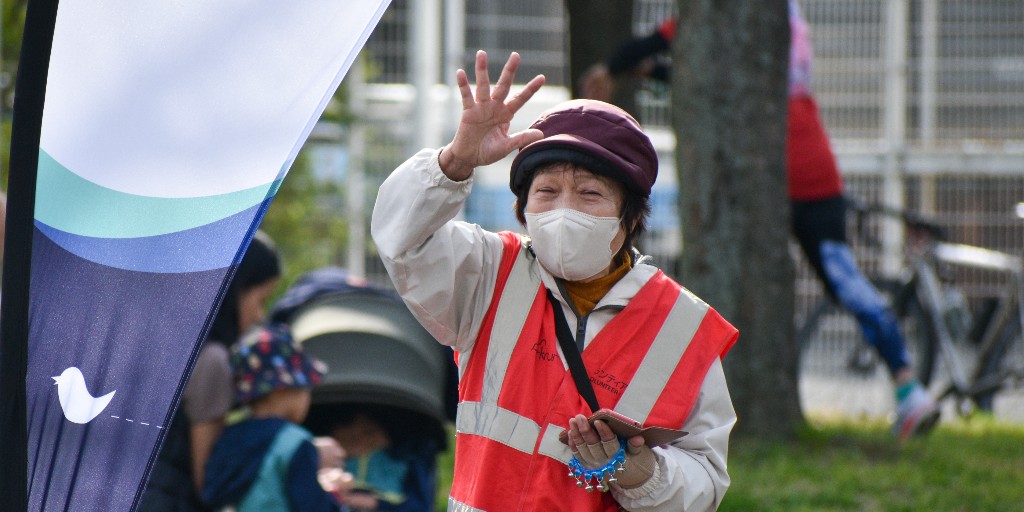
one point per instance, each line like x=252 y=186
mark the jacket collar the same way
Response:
x=617 y=297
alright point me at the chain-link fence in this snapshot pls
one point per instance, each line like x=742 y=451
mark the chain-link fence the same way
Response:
x=923 y=99
x=963 y=90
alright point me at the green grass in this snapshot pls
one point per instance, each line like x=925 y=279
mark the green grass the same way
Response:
x=845 y=465
x=856 y=465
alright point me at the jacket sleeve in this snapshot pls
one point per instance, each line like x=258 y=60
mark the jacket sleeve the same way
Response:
x=303 y=488
x=445 y=270
x=691 y=474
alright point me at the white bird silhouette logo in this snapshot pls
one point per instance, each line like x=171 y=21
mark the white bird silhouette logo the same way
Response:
x=78 y=405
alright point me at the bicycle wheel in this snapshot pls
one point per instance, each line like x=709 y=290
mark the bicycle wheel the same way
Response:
x=838 y=372
x=999 y=364
x=914 y=324
x=918 y=331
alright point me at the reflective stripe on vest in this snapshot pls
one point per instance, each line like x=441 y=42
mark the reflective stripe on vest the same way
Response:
x=513 y=385
x=552 y=447
x=486 y=419
x=513 y=308
x=666 y=351
x=511 y=429
x=456 y=506
x=497 y=424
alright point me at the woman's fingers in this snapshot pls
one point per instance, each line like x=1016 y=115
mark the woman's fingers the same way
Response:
x=577 y=427
x=501 y=89
x=635 y=444
x=523 y=138
x=462 y=81
x=582 y=432
x=504 y=85
x=483 y=134
x=483 y=82
x=604 y=431
x=587 y=431
x=520 y=98
x=508 y=73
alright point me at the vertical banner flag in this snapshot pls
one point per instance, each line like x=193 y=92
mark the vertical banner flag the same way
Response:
x=167 y=129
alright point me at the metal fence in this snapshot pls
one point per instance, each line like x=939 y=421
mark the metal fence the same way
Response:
x=923 y=99
x=951 y=72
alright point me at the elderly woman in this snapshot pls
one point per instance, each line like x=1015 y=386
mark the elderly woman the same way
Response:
x=635 y=342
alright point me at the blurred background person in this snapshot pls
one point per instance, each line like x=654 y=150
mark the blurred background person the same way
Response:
x=267 y=462
x=177 y=476
x=818 y=208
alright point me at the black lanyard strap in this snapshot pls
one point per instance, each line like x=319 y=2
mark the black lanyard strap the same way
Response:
x=572 y=355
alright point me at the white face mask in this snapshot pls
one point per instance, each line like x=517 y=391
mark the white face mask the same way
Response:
x=571 y=244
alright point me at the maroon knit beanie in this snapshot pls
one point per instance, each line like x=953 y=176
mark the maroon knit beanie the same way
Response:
x=595 y=135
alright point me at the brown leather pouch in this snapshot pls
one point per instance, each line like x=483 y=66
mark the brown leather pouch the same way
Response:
x=626 y=428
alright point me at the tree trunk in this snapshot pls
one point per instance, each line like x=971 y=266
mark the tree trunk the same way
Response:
x=596 y=29
x=729 y=115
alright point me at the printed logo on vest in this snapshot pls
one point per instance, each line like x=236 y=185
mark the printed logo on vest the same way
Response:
x=541 y=350
x=603 y=379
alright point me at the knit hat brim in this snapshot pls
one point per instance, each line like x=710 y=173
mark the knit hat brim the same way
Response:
x=596 y=136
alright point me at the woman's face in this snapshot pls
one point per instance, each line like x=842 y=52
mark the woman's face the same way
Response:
x=252 y=304
x=570 y=186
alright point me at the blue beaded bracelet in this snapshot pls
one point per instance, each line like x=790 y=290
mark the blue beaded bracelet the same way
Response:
x=601 y=476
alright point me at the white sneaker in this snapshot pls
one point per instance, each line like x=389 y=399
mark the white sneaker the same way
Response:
x=916 y=414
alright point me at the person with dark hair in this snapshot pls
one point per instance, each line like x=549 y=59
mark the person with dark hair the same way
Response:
x=589 y=380
x=818 y=207
x=268 y=462
x=177 y=475
x=246 y=299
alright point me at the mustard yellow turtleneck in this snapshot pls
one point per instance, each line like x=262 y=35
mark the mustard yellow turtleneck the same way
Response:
x=586 y=295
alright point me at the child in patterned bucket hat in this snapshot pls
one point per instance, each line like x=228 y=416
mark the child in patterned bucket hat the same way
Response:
x=268 y=359
x=268 y=462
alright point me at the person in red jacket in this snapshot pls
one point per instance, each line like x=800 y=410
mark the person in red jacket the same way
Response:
x=818 y=208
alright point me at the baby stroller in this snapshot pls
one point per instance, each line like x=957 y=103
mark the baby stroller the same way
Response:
x=382 y=367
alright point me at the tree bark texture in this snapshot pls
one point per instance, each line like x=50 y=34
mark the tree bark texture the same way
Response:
x=729 y=86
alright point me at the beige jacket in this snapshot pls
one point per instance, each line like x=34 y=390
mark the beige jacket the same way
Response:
x=445 y=270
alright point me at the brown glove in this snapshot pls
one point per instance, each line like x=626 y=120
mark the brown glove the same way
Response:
x=638 y=468
x=593 y=456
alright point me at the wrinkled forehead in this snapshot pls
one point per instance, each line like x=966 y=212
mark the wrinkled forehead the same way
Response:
x=573 y=172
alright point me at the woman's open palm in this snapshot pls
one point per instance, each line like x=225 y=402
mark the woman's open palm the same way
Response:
x=482 y=137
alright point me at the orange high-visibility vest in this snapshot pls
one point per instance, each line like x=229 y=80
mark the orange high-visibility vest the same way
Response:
x=516 y=395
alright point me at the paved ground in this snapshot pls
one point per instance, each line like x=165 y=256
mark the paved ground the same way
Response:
x=829 y=385
x=873 y=397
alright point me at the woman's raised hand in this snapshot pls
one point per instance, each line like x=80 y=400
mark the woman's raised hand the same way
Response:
x=482 y=137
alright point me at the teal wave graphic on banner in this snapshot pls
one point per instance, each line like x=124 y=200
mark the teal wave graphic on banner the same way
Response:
x=71 y=204
x=144 y=233
x=166 y=130
x=208 y=247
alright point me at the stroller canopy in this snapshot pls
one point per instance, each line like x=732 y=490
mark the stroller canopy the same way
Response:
x=377 y=354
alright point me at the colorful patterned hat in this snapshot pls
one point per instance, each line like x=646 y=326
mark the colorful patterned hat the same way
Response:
x=268 y=359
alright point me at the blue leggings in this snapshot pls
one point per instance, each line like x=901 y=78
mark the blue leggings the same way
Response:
x=855 y=293
x=820 y=227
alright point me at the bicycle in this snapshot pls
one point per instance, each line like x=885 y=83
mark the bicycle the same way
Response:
x=968 y=357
